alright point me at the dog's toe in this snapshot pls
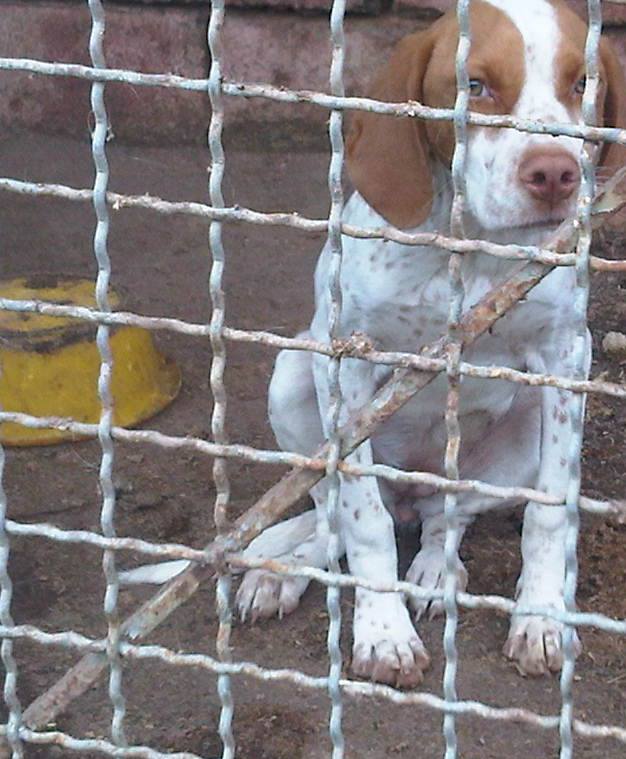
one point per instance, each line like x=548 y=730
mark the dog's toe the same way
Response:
x=428 y=571
x=263 y=594
x=400 y=664
x=386 y=647
x=535 y=644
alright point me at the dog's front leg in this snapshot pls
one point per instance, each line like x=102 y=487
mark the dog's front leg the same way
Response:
x=386 y=647
x=535 y=643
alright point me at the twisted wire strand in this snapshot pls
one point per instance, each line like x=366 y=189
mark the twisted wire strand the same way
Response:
x=218 y=366
x=453 y=429
x=99 y=138
x=11 y=699
x=577 y=409
x=334 y=367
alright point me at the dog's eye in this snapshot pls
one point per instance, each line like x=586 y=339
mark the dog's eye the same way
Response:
x=579 y=87
x=477 y=88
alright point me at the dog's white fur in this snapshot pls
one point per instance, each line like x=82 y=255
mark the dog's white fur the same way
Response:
x=511 y=434
x=398 y=296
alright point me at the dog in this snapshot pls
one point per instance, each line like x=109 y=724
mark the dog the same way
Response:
x=526 y=59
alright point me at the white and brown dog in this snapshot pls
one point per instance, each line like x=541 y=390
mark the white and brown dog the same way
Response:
x=527 y=60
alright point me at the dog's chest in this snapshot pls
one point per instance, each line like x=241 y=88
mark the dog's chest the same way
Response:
x=400 y=296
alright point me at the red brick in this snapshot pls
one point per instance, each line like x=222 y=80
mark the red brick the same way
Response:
x=370 y=7
x=144 y=39
x=352 y=6
x=424 y=8
x=277 y=48
x=282 y=49
x=295 y=54
x=613 y=14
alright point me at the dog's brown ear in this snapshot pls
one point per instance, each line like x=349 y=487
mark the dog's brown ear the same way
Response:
x=613 y=155
x=387 y=156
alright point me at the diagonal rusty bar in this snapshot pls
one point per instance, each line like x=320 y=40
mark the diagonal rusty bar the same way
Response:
x=400 y=388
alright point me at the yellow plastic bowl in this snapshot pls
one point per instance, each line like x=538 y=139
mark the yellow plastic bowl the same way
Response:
x=49 y=365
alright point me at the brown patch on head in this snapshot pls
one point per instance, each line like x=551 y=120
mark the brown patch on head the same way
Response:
x=388 y=157
x=614 y=111
x=570 y=62
x=612 y=92
x=496 y=58
x=570 y=56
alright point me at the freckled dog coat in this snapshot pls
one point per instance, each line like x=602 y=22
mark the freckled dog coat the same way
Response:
x=526 y=59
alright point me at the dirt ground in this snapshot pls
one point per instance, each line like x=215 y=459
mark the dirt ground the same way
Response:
x=162 y=266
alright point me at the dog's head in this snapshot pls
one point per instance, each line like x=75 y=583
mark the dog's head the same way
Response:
x=527 y=60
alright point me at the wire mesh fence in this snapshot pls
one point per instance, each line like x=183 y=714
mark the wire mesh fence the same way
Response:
x=570 y=247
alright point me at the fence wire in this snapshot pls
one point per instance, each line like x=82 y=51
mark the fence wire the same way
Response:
x=454 y=349
x=334 y=389
x=98 y=143
x=581 y=299
x=218 y=366
x=415 y=371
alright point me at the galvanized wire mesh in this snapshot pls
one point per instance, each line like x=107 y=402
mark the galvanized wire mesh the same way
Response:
x=332 y=474
x=453 y=429
x=581 y=296
x=24 y=726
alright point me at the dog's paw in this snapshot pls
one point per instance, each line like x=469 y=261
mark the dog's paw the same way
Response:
x=386 y=647
x=263 y=594
x=428 y=571
x=535 y=644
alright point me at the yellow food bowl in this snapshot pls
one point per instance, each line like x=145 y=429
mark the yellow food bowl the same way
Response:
x=49 y=365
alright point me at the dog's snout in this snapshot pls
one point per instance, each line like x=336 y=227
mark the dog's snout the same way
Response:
x=549 y=175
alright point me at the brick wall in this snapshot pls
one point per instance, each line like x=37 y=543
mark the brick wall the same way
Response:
x=282 y=42
x=613 y=13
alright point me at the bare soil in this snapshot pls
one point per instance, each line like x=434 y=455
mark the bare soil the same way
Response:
x=161 y=265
